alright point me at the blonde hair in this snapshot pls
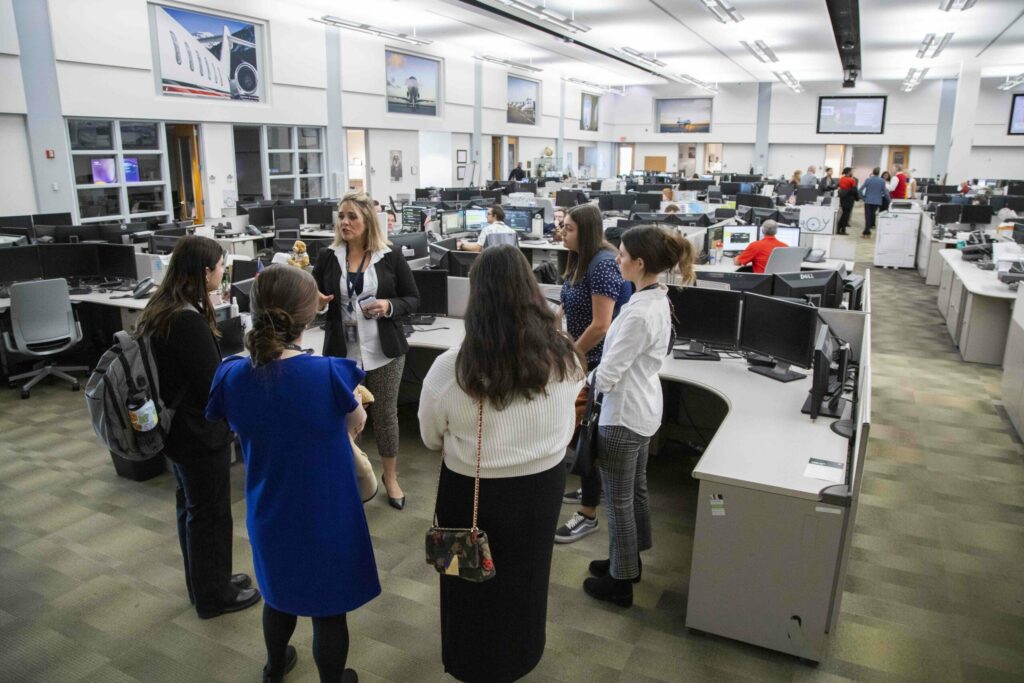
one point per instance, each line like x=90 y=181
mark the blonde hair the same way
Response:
x=373 y=240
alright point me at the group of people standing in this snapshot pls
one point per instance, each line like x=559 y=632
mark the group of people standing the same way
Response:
x=877 y=191
x=511 y=387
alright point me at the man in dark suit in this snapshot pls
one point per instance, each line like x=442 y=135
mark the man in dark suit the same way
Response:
x=517 y=174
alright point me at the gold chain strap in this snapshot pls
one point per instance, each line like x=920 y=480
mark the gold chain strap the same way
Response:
x=476 y=482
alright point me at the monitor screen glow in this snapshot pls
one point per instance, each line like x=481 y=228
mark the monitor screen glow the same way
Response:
x=738 y=237
x=476 y=219
x=789 y=236
x=851 y=115
x=131 y=169
x=103 y=172
x=1017 y=116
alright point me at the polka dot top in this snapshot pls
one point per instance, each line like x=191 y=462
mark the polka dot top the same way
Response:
x=603 y=278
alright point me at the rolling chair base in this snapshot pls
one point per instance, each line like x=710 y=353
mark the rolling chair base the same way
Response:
x=47 y=370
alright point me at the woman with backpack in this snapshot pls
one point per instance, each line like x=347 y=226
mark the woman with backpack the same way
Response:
x=183 y=332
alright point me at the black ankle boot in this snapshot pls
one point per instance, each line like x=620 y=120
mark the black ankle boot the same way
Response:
x=616 y=591
x=291 y=657
x=600 y=568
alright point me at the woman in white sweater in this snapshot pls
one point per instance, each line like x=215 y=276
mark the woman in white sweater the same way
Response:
x=527 y=376
x=634 y=349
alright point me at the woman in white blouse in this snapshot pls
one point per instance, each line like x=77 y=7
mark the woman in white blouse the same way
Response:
x=634 y=348
x=527 y=376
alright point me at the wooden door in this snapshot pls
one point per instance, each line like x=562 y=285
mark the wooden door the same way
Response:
x=496 y=157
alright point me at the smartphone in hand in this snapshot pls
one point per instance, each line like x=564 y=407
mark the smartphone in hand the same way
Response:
x=365 y=302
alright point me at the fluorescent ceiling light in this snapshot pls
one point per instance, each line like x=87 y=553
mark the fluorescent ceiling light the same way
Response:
x=620 y=90
x=760 y=50
x=787 y=78
x=542 y=13
x=687 y=78
x=639 y=56
x=913 y=79
x=722 y=11
x=1012 y=82
x=932 y=45
x=371 y=30
x=509 y=63
x=947 y=5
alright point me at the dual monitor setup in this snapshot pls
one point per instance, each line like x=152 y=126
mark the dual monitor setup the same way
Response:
x=74 y=262
x=972 y=214
x=821 y=288
x=470 y=219
x=321 y=214
x=736 y=238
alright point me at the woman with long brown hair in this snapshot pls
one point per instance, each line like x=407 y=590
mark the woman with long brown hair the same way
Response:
x=524 y=375
x=180 y=322
x=592 y=294
x=292 y=412
x=369 y=288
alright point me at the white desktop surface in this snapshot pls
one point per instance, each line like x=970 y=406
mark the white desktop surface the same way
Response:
x=726 y=265
x=95 y=297
x=976 y=280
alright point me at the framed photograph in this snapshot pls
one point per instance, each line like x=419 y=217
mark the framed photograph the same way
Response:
x=413 y=83
x=522 y=99
x=460 y=172
x=588 y=111
x=208 y=56
x=461 y=156
x=395 y=165
x=1016 y=126
x=684 y=115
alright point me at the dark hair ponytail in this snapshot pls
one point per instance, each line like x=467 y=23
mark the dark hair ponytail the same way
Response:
x=661 y=250
x=284 y=301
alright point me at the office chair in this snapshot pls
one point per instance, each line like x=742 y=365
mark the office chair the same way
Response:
x=43 y=324
x=511 y=238
x=285 y=244
x=287 y=224
x=785 y=260
x=313 y=247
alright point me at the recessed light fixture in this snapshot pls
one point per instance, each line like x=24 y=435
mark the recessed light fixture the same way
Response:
x=510 y=64
x=1011 y=82
x=371 y=30
x=932 y=45
x=687 y=78
x=913 y=79
x=722 y=11
x=787 y=78
x=542 y=13
x=760 y=50
x=640 y=56
x=947 y=5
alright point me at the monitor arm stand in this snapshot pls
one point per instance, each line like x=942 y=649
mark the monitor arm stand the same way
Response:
x=697 y=351
x=779 y=372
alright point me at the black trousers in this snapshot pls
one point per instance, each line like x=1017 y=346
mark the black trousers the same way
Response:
x=846 y=205
x=870 y=217
x=591 y=483
x=203 y=501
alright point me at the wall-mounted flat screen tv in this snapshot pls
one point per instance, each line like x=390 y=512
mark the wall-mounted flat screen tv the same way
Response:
x=1017 y=116
x=852 y=115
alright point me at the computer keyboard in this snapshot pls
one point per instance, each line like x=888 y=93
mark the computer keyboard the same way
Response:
x=421 y=320
x=85 y=289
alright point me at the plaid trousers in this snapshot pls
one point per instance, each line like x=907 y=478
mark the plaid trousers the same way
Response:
x=622 y=458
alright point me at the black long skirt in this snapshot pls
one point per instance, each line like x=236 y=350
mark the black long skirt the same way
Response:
x=495 y=631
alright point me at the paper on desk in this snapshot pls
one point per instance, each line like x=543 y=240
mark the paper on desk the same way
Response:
x=829 y=470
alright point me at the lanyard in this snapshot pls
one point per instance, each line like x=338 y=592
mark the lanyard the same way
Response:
x=351 y=283
x=653 y=286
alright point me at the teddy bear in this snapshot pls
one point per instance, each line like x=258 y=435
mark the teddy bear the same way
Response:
x=299 y=257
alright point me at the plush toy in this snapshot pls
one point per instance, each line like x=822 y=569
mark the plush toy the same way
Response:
x=365 y=477
x=299 y=258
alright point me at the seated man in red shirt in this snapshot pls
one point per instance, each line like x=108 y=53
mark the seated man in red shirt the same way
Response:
x=759 y=252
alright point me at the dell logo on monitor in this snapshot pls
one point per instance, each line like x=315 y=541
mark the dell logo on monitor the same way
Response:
x=806 y=276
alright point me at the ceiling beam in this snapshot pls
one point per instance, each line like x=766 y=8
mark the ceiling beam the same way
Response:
x=845 y=16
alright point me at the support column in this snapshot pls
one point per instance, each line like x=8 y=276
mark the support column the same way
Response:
x=764 y=112
x=52 y=178
x=560 y=141
x=965 y=111
x=944 y=131
x=476 y=142
x=337 y=149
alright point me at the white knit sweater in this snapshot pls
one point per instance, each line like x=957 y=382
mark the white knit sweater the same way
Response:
x=527 y=437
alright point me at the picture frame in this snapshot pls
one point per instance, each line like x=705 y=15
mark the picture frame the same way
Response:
x=412 y=83
x=588 y=111
x=522 y=101
x=683 y=115
x=460 y=172
x=461 y=156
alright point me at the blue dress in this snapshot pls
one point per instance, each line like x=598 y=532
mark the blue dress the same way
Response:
x=602 y=277
x=310 y=542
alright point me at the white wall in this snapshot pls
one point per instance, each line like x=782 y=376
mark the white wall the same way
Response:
x=380 y=143
x=218 y=143
x=737 y=157
x=532 y=148
x=994 y=162
x=17 y=195
x=992 y=120
x=669 y=150
x=733 y=114
x=435 y=159
x=461 y=141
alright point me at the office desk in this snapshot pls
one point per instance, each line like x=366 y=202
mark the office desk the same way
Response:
x=726 y=265
x=244 y=245
x=129 y=307
x=1013 y=367
x=976 y=307
x=929 y=265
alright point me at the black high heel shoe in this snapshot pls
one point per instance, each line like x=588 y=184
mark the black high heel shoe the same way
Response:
x=397 y=503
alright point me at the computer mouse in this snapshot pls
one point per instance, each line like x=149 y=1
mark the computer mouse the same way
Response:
x=102 y=291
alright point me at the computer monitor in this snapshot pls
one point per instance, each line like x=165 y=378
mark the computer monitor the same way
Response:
x=320 y=214
x=244 y=269
x=947 y=213
x=67 y=234
x=423 y=192
x=111 y=234
x=821 y=288
x=736 y=238
x=71 y=261
x=433 y=289
x=976 y=214
x=946 y=189
x=730 y=189
x=700 y=220
x=806 y=195
x=622 y=202
x=262 y=216
x=788 y=235
x=438 y=252
x=290 y=211
x=759 y=215
x=460 y=262
x=520 y=218
x=449 y=195
x=163 y=244
x=22 y=221
x=413 y=218
x=453 y=222
x=783 y=331
x=18 y=264
x=569 y=198
x=525 y=187
x=939 y=198
x=651 y=199
x=18 y=231
x=476 y=219
x=52 y=219
x=722 y=213
x=1015 y=204
x=758 y=283
x=784 y=189
x=755 y=200
x=707 y=318
x=116 y=261
x=241 y=294
x=410 y=241
x=827 y=376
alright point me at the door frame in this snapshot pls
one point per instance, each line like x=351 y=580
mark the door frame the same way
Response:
x=893 y=149
x=618 y=159
x=195 y=151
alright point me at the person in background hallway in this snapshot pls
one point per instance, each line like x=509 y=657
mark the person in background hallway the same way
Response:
x=847 y=198
x=593 y=292
x=827 y=183
x=360 y=264
x=631 y=410
x=180 y=323
x=809 y=179
x=795 y=180
x=292 y=412
x=757 y=253
x=516 y=367
x=890 y=187
x=874 y=193
x=517 y=173
x=900 y=191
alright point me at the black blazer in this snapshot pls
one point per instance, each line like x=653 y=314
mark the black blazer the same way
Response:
x=394 y=283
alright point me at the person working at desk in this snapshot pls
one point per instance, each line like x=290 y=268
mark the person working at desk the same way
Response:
x=558 y=227
x=495 y=226
x=760 y=251
x=672 y=208
x=517 y=174
x=392 y=219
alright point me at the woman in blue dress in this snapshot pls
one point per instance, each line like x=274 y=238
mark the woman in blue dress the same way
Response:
x=292 y=412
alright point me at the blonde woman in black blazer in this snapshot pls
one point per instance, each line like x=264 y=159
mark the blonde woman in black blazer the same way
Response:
x=360 y=264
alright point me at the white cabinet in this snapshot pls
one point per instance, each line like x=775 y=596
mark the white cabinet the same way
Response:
x=945 y=282
x=954 y=313
x=896 y=243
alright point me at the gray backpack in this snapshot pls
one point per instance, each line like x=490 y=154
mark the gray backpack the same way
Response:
x=127 y=370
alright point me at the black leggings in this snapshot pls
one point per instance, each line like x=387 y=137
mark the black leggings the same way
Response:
x=330 y=643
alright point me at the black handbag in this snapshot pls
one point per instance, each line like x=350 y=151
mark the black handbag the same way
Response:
x=586 y=438
x=463 y=553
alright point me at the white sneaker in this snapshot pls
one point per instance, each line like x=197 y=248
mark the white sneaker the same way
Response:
x=576 y=528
